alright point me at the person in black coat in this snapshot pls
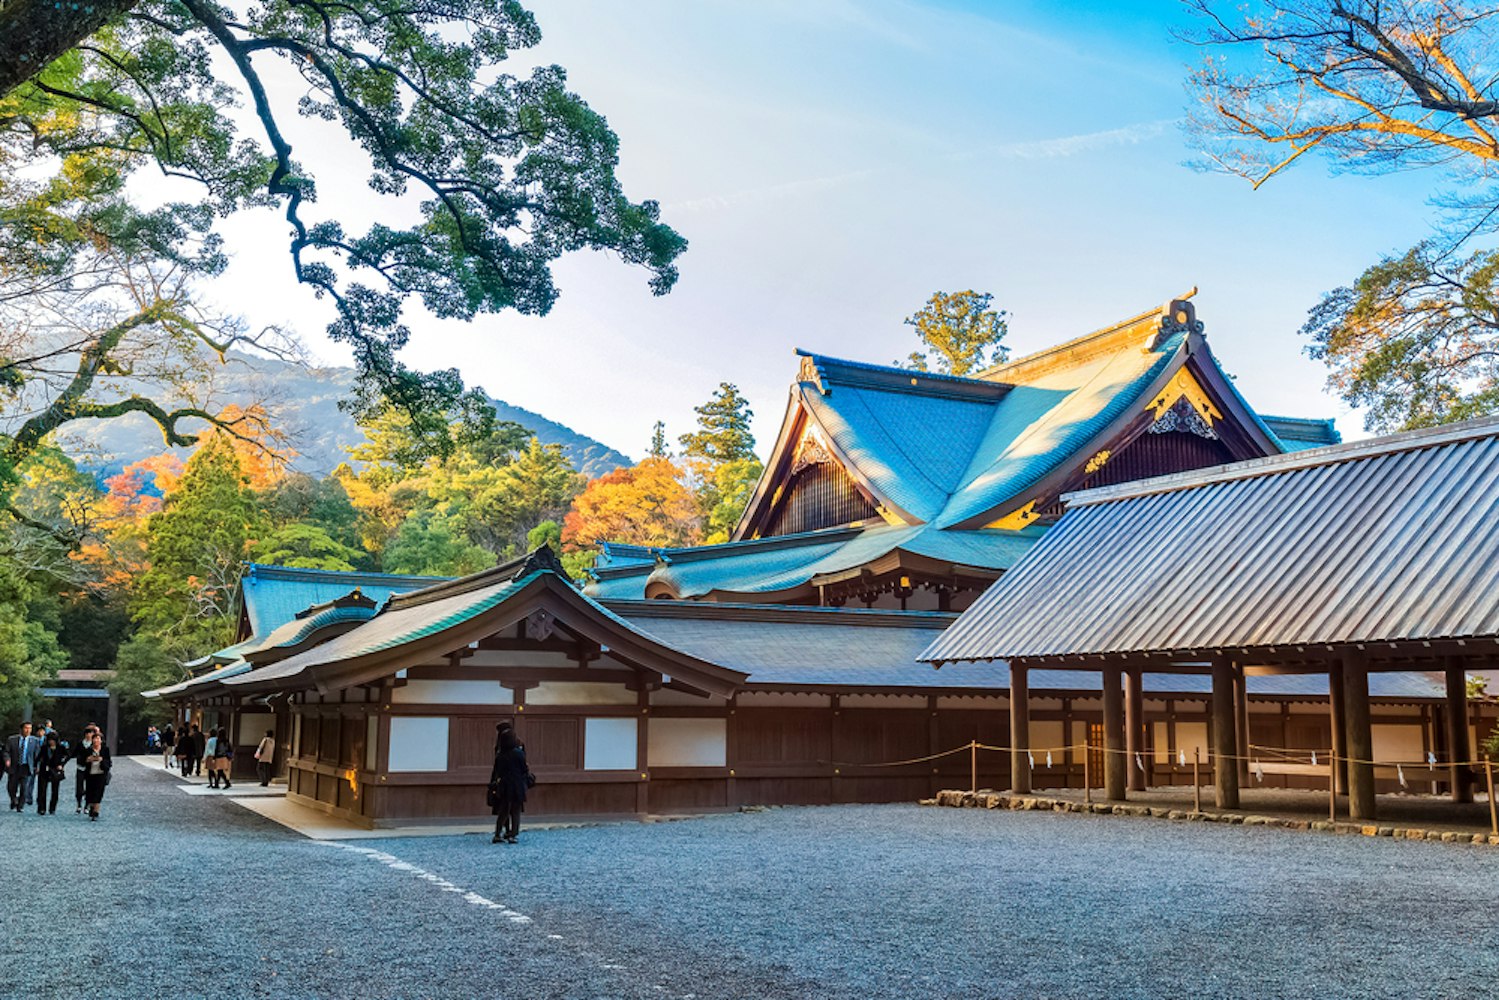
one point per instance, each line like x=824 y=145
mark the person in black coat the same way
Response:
x=508 y=782
x=80 y=771
x=97 y=763
x=49 y=773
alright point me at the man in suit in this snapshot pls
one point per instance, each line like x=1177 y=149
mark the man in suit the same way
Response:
x=20 y=766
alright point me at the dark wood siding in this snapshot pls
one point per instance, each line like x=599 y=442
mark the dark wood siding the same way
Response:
x=1150 y=455
x=819 y=496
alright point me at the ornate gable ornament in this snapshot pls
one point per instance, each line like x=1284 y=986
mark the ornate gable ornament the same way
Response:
x=809 y=451
x=1184 y=387
x=1181 y=416
x=540 y=625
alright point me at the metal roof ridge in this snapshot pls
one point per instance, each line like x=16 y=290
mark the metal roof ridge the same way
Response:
x=818 y=536
x=896 y=378
x=540 y=559
x=1099 y=335
x=806 y=614
x=259 y=570
x=1351 y=451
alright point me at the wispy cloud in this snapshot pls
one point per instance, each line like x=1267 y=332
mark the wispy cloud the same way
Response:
x=1071 y=145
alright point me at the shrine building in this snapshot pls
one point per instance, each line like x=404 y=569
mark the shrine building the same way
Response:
x=782 y=667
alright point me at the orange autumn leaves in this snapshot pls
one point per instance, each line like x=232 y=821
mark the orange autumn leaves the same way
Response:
x=647 y=504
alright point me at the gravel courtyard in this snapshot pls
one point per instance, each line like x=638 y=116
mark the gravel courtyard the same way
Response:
x=193 y=896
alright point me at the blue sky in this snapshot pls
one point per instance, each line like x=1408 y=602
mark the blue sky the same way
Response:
x=833 y=163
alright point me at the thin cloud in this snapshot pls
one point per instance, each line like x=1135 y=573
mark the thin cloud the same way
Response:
x=786 y=189
x=1073 y=145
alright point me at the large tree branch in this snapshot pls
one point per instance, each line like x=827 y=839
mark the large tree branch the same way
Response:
x=35 y=32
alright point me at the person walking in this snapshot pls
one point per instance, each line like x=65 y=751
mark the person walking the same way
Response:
x=184 y=752
x=20 y=763
x=209 y=744
x=200 y=749
x=168 y=745
x=508 y=782
x=222 y=759
x=80 y=769
x=97 y=762
x=265 y=755
x=51 y=763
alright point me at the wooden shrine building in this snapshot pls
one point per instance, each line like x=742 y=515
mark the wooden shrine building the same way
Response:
x=1356 y=563
x=781 y=667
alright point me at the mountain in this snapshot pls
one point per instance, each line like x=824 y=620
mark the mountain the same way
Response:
x=304 y=402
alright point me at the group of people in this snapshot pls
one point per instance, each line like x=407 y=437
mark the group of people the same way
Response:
x=193 y=749
x=35 y=763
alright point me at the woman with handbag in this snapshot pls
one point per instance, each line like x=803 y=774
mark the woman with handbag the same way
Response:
x=97 y=776
x=508 y=782
x=50 y=765
x=223 y=759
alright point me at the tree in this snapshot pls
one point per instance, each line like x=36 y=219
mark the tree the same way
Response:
x=647 y=504
x=195 y=546
x=1374 y=87
x=508 y=172
x=659 y=447
x=1415 y=339
x=429 y=543
x=539 y=485
x=305 y=546
x=961 y=331
x=718 y=455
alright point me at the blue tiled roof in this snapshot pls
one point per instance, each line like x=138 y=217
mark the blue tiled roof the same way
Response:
x=274 y=595
x=1301 y=433
x=769 y=565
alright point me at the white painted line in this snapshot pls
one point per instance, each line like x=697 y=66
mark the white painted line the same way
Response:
x=396 y=864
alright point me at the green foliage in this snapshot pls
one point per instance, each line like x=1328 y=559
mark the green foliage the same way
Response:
x=723 y=429
x=30 y=654
x=1415 y=340
x=659 y=447
x=305 y=546
x=144 y=663
x=430 y=544
x=720 y=455
x=482 y=178
x=195 y=546
x=960 y=330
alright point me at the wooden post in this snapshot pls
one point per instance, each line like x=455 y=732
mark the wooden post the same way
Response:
x=1197 y=779
x=1115 y=765
x=1360 y=740
x=1020 y=730
x=1335 y=699
x=1087 y=777
x=1488 y=770
x=1134 y=728
x=973 y=765
x=1459 y=747
x=1332 y=787
x=1225 y=742
x=1241 y=723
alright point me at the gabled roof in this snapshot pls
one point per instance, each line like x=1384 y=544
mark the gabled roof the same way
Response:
x=453 y=613
x=1300 y=433
x=966 y=452
x=274 y=595
x=1390 y=540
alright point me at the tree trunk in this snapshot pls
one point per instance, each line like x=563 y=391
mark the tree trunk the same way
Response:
x=35 y=32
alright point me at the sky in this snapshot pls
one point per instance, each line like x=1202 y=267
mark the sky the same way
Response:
x=833 y=163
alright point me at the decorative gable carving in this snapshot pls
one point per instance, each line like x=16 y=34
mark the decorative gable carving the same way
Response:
x=1182 y=417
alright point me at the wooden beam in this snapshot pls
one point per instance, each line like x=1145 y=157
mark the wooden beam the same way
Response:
x=1459 y=746
x=1115 y=764
x=1020 y=730
x=1360 y=738
x=1134 y=727
x=1225 y=741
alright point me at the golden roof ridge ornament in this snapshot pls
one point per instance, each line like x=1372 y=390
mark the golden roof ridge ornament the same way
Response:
x=1176 y=316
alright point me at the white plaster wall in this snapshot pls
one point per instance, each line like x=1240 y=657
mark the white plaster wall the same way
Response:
x=882 y=701
x=476 y=692
x=783 y=699
x=1400 y=744
x=296 y=735
x=609 y=744
x=418 y=743
x=371 y=738
x=687 y=743
x=580 y=693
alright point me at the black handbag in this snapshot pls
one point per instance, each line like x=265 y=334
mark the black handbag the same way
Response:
x=530 y=780
x=493 y=798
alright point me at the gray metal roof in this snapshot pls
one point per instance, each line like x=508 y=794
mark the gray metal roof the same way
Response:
x=1377 y=541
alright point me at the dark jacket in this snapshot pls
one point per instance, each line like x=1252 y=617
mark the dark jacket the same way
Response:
x=508 y=777
x=51 y=760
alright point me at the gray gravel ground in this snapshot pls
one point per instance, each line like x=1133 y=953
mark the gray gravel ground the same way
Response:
x=197 y=897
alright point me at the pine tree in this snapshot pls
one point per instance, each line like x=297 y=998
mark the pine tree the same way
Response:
x=961 y=331
x=720 y=455
x=658 y=441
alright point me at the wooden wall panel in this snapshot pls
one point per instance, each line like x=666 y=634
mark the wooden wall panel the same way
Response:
x=328 y=738
x=783 y=735
x=553 y=742
x=471 y=740
x=687 y=795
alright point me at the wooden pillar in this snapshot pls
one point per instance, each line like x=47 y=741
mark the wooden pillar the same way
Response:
x=1241 y=722
x=1115 y=765
x=1020 y=730
x=1459 y=746
x=1360 y=738
x=1134 y=727
x=1225 y=740
x=1335 y=700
